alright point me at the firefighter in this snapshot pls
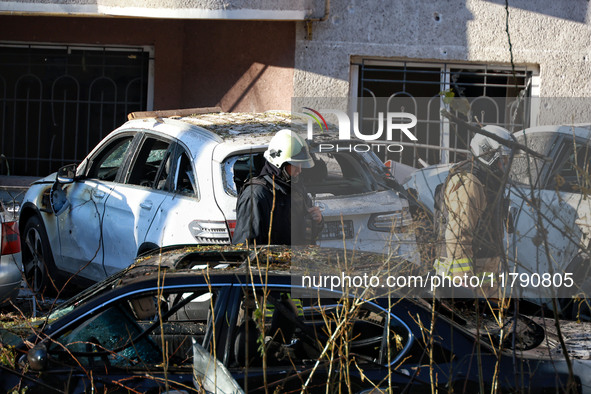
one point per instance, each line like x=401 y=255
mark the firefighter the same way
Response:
x=274 y=203
x=471 y=213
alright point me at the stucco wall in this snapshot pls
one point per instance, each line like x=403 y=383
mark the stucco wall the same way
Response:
x=551 y=34
x=182 y=9
x=238 y=65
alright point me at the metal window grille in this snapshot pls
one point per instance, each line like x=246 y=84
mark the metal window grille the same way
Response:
x=496 y=96
x=57 y=103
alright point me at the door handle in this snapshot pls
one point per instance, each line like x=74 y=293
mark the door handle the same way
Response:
x=146 y=205
x=98 y=193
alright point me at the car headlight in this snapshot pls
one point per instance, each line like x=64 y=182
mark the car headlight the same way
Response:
x=397 y=221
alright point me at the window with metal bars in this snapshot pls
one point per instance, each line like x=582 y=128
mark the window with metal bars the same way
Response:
x=58 y=102
x=483 y=94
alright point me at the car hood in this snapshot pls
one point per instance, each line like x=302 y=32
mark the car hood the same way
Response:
x=10 y=337
x=48 y=179
x=576 y=335
x=533 y=336
x=16 y=334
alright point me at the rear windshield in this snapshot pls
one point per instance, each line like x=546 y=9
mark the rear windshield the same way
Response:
x=333 y=174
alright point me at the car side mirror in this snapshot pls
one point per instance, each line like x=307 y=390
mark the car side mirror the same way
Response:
x=67 y=174
x=37 y=357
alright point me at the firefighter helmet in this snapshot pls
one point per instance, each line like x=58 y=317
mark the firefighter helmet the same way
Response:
x=288 y=147
x=488 y=150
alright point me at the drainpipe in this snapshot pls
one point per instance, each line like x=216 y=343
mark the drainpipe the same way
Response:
x=321 y=19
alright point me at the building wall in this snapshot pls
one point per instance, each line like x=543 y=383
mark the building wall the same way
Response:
x=181 y=9
x=553 y=35
x=238 y=65
x=241 y=66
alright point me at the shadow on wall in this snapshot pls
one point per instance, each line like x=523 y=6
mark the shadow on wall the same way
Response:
x=572 y=10
x=244 y=87
x=242 y=66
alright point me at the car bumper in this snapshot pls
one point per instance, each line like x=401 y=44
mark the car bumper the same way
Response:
x=10 y=276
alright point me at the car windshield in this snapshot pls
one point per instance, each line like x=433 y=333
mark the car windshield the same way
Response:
x=526 y=169
x=86 y=295
x=127 y=331
x=333 y=174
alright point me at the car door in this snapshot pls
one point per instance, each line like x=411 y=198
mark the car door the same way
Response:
x=188 y=214
x=285 y=339
x=80 y=227
x=123 y=343
x=567 y=207
x=545 y=208
x=132 y=205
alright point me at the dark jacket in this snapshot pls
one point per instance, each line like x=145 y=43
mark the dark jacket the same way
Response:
x=272 y=201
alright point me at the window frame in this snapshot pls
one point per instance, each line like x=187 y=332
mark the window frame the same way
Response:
x=178 y=150
x=308 y=293
x=109 y=300
x=564 y=149
x=105 y=149
x=444 y=145
x=142 y=138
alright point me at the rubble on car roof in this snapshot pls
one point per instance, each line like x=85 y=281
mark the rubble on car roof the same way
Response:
x=232 y=124
x=274 y=258
x=227 y=124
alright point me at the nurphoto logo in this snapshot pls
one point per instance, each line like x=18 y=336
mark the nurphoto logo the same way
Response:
x=395 y=122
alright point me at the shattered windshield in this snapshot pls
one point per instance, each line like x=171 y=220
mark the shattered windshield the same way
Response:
x=86 y=295
x=526 y=169
x=128 y=332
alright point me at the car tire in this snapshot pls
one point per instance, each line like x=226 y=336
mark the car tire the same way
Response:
x=38 y=264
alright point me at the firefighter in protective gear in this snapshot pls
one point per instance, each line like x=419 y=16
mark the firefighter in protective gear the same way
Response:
x=470 y=209
x=274 y=208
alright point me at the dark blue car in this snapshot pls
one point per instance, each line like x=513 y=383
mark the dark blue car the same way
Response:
x=134 y=332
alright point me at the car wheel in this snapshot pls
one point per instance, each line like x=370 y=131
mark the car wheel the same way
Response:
x=37 y=258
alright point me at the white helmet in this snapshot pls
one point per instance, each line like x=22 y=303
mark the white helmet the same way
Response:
x=288 y=147
x=488 y=150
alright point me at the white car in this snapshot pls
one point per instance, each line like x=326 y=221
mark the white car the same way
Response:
x=550 y=206
x=155 y=182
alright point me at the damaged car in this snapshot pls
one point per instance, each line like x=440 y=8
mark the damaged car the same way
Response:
x=549 y=212
x=159 y=181
x=136 y=331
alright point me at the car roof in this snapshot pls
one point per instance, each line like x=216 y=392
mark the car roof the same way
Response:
x=217 y=264
x=224 y=260
x=230 y=132
x=229 y=127
x=581 y=130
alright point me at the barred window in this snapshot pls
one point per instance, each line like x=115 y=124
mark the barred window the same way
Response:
x=487 y=94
